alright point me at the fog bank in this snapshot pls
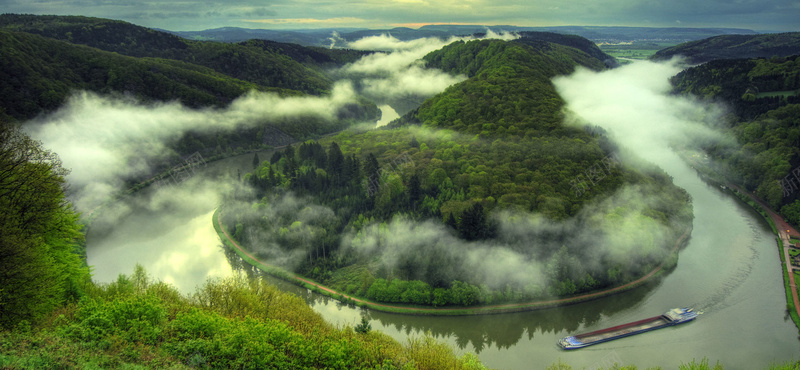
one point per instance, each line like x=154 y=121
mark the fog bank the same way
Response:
x=104 y=140
x=633 y=103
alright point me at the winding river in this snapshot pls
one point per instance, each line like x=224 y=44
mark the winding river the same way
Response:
x=730 y=270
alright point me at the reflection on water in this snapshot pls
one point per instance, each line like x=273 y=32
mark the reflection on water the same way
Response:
x=175 y=250
x=730 y=269
x=500 y=331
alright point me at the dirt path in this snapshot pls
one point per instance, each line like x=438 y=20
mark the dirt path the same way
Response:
x=785 y=232
x=509 y=307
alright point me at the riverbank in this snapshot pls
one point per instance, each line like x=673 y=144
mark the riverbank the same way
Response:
x=783 y=230
x=228 y=241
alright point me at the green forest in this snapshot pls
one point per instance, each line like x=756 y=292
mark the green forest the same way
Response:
x=763 y=96
x=468 y=169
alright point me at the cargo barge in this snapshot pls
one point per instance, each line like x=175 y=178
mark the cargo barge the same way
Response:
x=672 y=317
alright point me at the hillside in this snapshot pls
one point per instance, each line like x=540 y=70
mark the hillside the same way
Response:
x=764 y=97
x=521 y=70
x=734 y=47
x=39 y=73
x=263 y=63
x=572 y=41
x=420 y=212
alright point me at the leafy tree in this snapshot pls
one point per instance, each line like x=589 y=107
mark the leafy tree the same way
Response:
x=40 y=232
x=792 y=212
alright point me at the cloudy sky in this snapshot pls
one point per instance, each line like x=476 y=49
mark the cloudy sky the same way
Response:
x=192 y=15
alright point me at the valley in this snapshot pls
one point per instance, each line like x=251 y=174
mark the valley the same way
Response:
x=444 y=170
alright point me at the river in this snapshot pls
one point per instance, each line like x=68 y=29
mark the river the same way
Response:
x=730 y=270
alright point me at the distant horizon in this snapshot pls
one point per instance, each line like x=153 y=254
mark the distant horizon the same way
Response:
x=189 y=15
x=417 y=27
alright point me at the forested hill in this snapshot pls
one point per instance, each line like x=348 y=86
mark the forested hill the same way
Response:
x=37 y=74
x=764 y=96
x=509 y=87
x=573 y=41
x=264 y=63
x=492 y=182
x=734 y=47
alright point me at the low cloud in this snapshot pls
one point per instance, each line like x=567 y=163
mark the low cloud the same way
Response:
x=609 y=232
x=398 y=71
x=633 y=103
x=105 y=141
x=282 y=229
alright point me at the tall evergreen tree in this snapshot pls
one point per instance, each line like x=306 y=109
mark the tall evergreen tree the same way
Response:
x=352 y=168
x=414 y=189
x=335 y=162
x=473 y=225
x=275 y=157
x=372 y=175
x=371 y=167
x=414 y=143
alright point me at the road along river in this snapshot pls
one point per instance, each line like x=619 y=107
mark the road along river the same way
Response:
x=730 y=269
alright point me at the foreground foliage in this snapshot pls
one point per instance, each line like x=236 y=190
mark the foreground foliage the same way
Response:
x=41 y=265
x=228 y=323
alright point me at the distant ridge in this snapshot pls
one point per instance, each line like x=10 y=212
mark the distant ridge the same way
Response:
x=280 y=66
x=735 y=47
x=324 y=37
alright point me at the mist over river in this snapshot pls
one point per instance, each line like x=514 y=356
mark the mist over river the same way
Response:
x=730 y=270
